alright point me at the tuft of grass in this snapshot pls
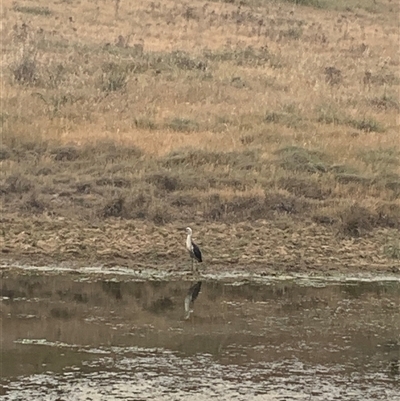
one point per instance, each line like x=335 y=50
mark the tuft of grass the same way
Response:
x=388 y=215
x=139 y=62
x=56 y=103
x=197 y=158
x=294 y=158
x=293 y=33
x=309 y=3
x=330 y=114
x=65 y=153
x=366 y=124
x=382 y=159
x=392 y=250
x=114 y=78
x=247 y=56
x=25 y=71
x=185 y=61
x=4 y=153
x=34 y=204
x=385 y=102
x=117 y=182
x=356 y=221
x=239 y=208
x=304 y=187
x=114 y=207
x=333 y=76
x=33 y=10
x=347 y=178
x=17 y=184
x=145 y=123
x=183 y=125
x=290 y=120
x=165 y=181
x=393 y=183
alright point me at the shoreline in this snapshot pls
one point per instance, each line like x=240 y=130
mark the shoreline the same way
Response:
x=234 y=277
x=258 y=247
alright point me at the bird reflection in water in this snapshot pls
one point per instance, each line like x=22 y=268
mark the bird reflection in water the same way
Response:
x=191 y=296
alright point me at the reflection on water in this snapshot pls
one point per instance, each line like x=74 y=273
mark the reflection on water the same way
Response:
x=70 y=338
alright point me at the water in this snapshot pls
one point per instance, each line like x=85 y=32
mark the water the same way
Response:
x=86 y=337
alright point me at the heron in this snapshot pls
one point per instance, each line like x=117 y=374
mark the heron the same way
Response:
x=193 y=249
x=191 y=296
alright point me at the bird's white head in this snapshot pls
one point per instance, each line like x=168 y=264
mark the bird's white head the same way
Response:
x=188 y=231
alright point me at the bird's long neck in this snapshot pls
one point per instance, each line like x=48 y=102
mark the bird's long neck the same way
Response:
x=189 y=241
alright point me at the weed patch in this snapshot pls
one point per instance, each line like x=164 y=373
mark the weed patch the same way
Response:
x=294 y=158
x=114 y=78
x=114 y=207
x=256 y=57
x=392 y=250
x=34 y=204
x=184 y=61
x=388 y=215
x=44 y=11
x=198 y=158
x=347 y=178
x=331 y=115
x=25 y=71
x=393 y=183
x=303 y=187
x=183 y=125
x=287 y=119
x=333 y=76
x=4 y=153
x=366 y=124
x=309 y=3
x=67 y=153
x=118 y=182
x=356 y=221
x=237 y=209
x=165 y=182
x=17 y=184
x=145 y=123
x=385 y=102
x=328 y=114
x=381 y=159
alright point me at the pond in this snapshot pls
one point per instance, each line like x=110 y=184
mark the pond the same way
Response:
x=85 y=337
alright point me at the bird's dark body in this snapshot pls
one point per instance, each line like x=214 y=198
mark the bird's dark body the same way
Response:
x=196 y=253
x=194 y=291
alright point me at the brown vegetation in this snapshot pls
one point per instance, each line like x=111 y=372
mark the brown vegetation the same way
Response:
x=221 y=112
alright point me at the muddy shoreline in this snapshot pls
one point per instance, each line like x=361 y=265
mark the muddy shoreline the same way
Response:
x=259 y=247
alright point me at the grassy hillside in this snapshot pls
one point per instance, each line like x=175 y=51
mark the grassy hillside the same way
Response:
x=224 y=112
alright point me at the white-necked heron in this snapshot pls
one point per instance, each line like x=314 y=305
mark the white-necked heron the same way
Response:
x=193 y=249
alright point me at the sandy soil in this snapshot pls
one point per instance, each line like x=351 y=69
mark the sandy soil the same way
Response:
x=260 y=246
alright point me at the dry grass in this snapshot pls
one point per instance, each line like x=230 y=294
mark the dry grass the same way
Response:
x=213 y=111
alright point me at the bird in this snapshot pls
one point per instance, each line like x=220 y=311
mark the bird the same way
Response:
x=193 y=249
x=191 y=296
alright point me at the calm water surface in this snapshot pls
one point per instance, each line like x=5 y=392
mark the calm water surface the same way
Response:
x=75 y=337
